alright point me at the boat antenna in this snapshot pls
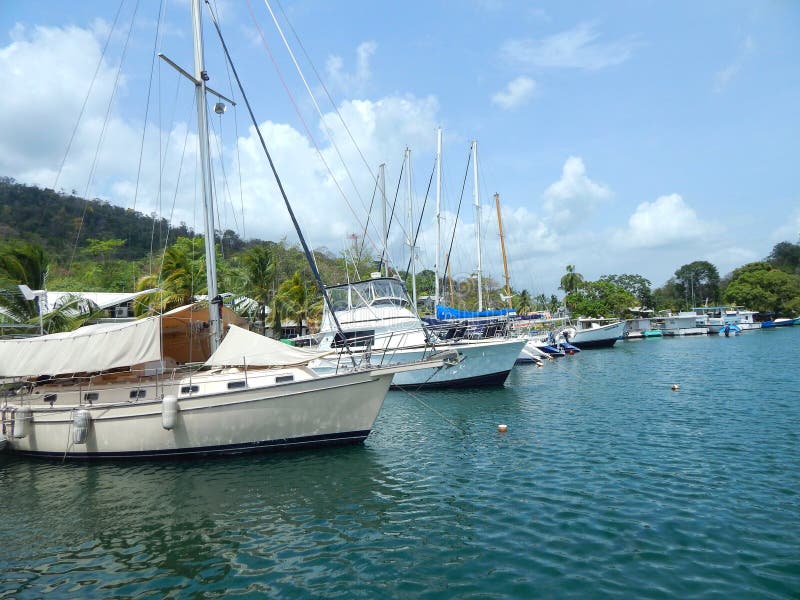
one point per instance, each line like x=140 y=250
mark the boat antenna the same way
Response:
x=309 y=256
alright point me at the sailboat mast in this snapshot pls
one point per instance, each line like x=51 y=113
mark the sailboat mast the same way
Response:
x=503 y=248
x=438 y=215
x=477 y=201
x=205 y=166
x=411 y=244
x=385 y=231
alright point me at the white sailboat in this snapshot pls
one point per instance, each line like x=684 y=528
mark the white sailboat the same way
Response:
x=130 y=390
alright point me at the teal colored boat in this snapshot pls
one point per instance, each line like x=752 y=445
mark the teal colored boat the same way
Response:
x=652 y=333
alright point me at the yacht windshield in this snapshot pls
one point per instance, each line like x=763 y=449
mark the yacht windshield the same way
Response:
x=338 y=298
x=369 y=293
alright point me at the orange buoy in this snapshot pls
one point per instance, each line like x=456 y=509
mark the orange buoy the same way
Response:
x=502 y=428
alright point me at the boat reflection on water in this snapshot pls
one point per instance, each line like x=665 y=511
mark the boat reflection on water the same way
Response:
x=182 y=524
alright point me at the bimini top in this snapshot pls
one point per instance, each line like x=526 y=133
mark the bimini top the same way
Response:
x=180 y=335
x=88 y=349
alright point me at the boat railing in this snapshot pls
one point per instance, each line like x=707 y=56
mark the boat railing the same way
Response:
x=87 y=387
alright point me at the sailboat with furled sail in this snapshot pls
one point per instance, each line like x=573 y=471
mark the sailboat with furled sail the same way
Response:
x=130 y=390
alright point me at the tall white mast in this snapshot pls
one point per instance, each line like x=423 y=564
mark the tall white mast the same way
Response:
x=476 y=198
x=436 y=265
x=205 y=166
x=411 y=244
x=385 y=231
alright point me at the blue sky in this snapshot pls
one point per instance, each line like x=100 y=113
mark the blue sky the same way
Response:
x=623 y=137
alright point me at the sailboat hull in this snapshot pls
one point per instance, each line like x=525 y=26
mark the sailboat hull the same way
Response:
x=323 y=411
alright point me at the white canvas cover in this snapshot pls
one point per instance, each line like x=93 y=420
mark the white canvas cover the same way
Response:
x=241 y=347
x=87 y=349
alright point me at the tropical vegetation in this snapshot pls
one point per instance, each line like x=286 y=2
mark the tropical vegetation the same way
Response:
x=55 y=240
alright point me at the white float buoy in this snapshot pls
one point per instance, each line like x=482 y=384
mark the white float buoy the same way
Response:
x=21 y=421
x=81 y=421
x=169 y=412
x=502 y=428
x=675 y=387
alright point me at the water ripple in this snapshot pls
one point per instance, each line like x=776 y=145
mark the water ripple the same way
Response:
x=606 y=484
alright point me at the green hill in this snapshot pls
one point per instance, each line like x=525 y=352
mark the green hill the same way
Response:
x=52 y=219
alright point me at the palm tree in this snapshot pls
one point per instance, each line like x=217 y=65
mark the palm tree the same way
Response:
x=259 y=264
x=541 y=302
x=296 y=300
x=23 y=263
x=523 y=304
x=571 y=281
x=553 y=304
x=182 y=275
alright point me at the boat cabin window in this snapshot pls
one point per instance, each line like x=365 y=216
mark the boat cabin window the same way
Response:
x=235 y=385
x=50 y=398
x=91 y=396
x=138 y=393
x=354 y=338
x=284 y=378
x=190 y=389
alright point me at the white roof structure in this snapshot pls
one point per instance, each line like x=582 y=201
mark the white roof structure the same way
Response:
x=101 y=299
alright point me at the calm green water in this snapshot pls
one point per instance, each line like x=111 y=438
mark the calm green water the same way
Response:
x=607 y=484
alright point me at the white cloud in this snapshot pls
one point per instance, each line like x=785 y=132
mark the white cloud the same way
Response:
x=725 y=75
x=351 y=83
x=573 y=197
x=578 y=48
x=516 y=93
x=667 y=221
x=47 y=79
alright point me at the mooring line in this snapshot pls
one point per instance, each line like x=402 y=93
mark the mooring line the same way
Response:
x=433 y=410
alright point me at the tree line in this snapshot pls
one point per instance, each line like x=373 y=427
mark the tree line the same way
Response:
x=770 y=286
x=58 y=241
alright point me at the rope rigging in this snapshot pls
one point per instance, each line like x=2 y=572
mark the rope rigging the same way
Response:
x=458 y=211
x=102 y=136
x=421 y=214
x=309 y=255
x=303 y=121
